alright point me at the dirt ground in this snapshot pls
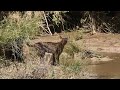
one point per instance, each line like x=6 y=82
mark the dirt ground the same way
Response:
x=102 y=42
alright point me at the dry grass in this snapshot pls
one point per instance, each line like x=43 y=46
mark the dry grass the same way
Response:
x=74 y=35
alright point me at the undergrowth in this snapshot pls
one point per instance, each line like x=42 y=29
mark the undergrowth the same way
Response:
x=17 y=28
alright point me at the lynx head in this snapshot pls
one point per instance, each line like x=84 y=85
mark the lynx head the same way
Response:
x=64 y=41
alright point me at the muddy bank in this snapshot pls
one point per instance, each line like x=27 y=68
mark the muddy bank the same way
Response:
x=107 y=45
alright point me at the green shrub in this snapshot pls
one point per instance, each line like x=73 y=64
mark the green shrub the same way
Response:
x=71 y=48
x=15 y=29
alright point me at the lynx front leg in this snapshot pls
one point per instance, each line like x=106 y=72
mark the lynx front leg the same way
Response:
x=56 y=59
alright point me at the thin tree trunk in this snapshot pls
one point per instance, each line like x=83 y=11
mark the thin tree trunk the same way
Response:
x=47 y=23
x=94 y=26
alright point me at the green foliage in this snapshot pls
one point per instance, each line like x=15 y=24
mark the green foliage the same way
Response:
x=16 y=27
x=25 y=28
x=79 y=35
x=57 y=17
x=71 y=49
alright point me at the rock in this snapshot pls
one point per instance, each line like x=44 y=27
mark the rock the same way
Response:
x=48 y=57
x=96 y=60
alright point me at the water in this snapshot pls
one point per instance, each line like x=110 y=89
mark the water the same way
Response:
x=108 y=70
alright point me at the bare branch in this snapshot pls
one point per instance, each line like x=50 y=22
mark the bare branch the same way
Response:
x=47 y=23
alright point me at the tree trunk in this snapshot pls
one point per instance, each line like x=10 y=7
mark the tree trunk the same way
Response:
x=93 y=21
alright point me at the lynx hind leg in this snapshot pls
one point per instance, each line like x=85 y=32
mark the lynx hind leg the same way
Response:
x=56 y=59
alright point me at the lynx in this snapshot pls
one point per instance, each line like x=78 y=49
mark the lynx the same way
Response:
x=52 y=49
